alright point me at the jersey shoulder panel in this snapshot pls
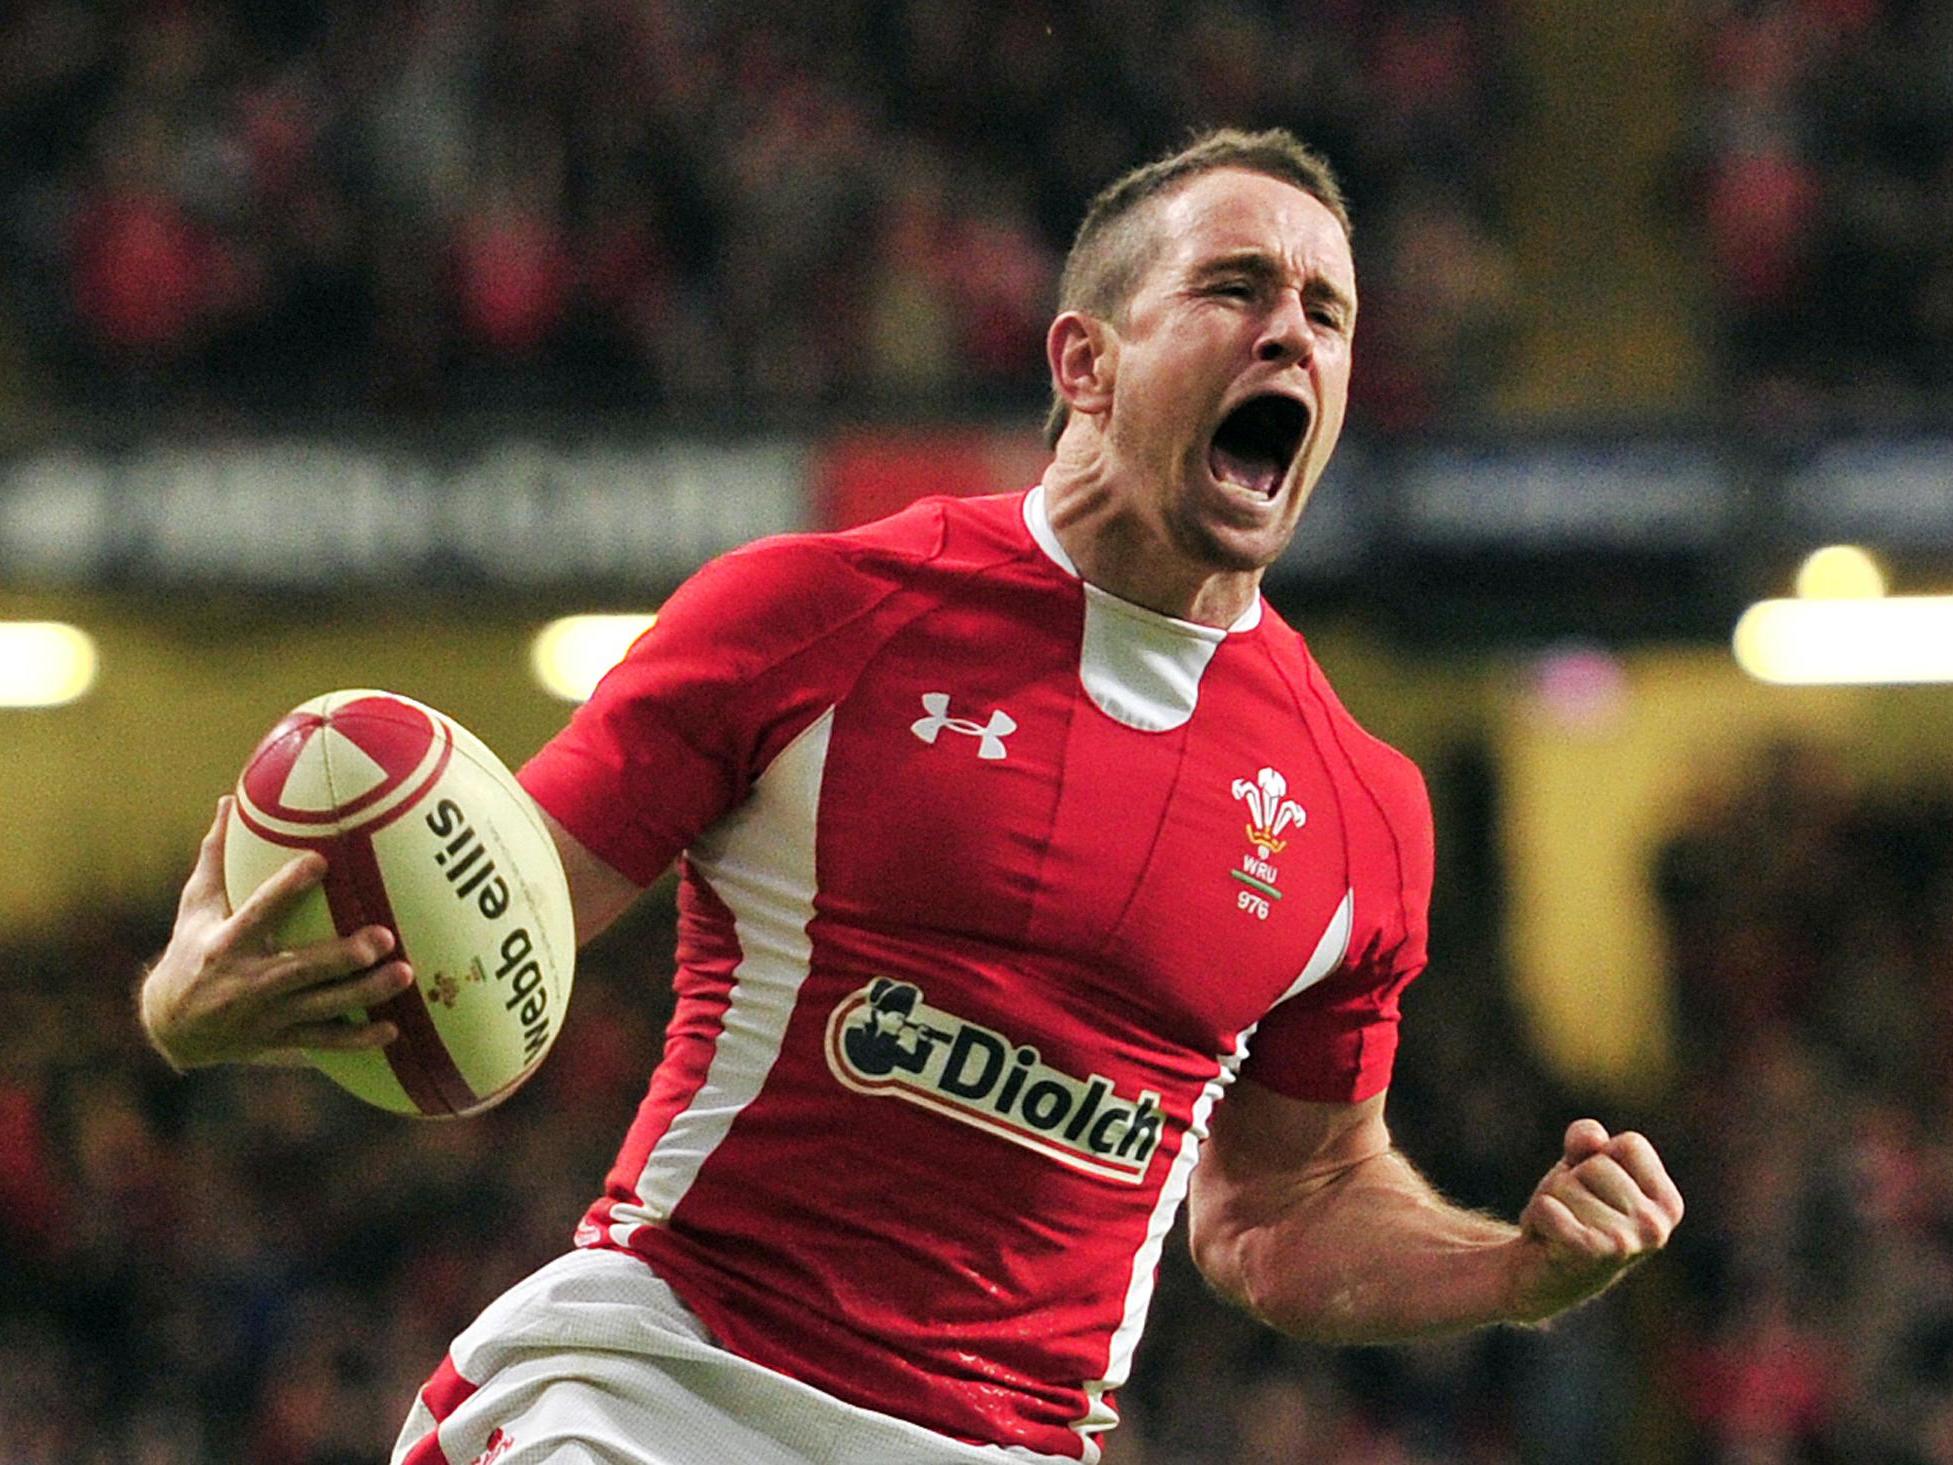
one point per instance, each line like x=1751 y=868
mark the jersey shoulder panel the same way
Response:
x=1346 y=1025
x=743 y=657
x=1389 y=781
x=955 y=532
x=768 y=601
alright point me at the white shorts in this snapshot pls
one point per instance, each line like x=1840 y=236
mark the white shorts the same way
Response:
x=594 y=1360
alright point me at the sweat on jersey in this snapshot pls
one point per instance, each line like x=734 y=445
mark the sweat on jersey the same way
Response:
x=992 y=882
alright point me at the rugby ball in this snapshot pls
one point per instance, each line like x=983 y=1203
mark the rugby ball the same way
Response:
x=426 y=832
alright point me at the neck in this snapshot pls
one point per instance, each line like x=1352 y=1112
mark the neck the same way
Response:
x=1121 y=548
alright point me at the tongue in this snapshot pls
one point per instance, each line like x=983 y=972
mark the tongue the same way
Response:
x=1256 y=474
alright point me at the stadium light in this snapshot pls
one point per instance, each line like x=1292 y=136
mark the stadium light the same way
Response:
x=1840 y=572
x=570 y=656
x=1898 y=639
x=44 y=663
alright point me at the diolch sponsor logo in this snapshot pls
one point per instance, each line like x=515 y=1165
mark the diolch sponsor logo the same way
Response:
x=886 y=1040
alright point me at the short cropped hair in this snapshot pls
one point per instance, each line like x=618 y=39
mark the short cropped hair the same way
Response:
x=1114 y=247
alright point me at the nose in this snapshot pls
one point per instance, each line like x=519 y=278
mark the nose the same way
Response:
x=1285 y=334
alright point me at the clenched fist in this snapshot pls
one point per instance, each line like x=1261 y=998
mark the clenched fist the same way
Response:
x=1606 y=1205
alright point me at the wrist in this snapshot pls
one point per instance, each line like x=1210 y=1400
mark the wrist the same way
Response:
x=1546 y=1281
x=149 y=1018
x=1526 y=1292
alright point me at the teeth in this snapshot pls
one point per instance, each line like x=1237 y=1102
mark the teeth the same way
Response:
x=1257 y=476
x=1254 y=445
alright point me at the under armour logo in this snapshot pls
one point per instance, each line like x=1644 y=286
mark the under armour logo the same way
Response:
x=991 y=735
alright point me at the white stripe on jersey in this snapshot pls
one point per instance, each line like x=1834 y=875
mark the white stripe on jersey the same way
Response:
x=759 y=860
x=1327 y=956
x=1099 y=1416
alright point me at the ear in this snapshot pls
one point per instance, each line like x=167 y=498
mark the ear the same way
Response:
x=1084 y=356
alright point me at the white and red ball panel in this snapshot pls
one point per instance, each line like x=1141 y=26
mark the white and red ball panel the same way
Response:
x=426 y=832
x=342 y=762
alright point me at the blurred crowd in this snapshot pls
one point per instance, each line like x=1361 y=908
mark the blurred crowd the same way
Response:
x=231 y=209
x=218 y=209
x=1820 y=172
x=248 y=1266
x=1811 y=929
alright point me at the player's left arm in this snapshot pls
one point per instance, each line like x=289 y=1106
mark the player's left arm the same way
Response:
x=1306 y=1215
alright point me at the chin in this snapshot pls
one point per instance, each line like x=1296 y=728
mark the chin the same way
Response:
x=1234 y=553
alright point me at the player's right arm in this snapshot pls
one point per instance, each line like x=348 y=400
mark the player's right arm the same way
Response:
x=668 y=744
x=224 y=992
x=599 y=892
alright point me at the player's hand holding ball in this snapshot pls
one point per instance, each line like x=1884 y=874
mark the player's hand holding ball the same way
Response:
x=227 y=991
x=380 y=896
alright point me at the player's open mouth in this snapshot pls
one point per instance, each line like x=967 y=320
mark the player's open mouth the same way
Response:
x=1257 y=441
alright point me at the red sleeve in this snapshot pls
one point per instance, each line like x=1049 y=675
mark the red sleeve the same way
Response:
x=676 y=733
x=1336 y=1042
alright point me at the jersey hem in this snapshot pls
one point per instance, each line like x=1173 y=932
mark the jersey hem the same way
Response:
x=706 y=1312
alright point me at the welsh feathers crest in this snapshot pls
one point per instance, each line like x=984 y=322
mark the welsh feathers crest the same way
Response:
x=1270 y=810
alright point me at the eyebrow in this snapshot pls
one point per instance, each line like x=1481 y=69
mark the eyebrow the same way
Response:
x=1261 y=267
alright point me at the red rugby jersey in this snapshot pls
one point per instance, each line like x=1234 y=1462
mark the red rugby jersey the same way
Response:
x=992 y=882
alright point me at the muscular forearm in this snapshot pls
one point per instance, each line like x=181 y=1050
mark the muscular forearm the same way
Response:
x=1369 y=1254
x=1308 y=1216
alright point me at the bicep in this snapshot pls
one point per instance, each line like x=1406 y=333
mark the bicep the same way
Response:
x=599 y=891
x=1266 y=1155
